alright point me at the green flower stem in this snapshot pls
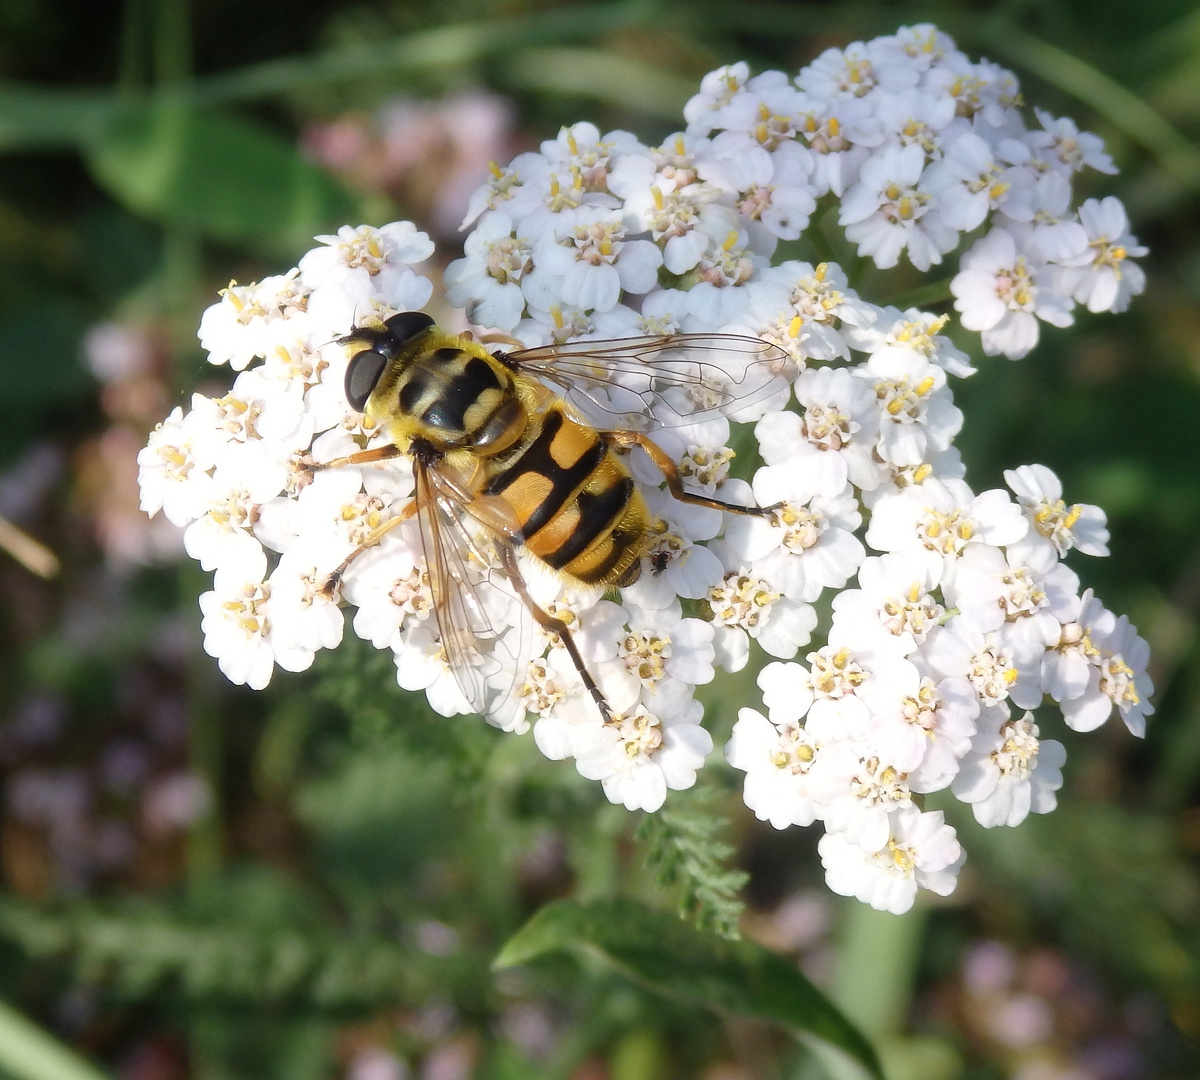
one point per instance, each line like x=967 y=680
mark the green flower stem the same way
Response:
x=172 y=42
x=877 y=962
x=456 y=45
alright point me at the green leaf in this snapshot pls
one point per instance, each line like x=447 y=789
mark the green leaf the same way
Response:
x=27 y=1052
x=220 y=176
x=671 y=958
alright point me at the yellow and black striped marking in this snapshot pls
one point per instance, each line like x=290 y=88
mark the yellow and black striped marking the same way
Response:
x=579 y=509
x=448 y=396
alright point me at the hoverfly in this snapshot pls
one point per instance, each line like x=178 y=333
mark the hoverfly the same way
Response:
x=519 y=451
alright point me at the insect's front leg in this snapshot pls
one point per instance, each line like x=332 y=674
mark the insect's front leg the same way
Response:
x=664 y=464
x=363 y=457
x=334 y=581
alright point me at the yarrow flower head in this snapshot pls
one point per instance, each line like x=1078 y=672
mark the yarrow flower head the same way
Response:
x=823 y=480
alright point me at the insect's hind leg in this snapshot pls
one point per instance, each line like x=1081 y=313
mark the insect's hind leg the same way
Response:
x=547 y=621
x=664 y=464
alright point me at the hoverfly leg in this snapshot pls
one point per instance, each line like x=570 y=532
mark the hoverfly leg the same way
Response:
x=363 y=457
x=497 y=338
x=547 y=621
x=664 y=464
x=334 y=581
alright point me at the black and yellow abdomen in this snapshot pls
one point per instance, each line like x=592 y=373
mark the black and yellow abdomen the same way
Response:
x=579 y=508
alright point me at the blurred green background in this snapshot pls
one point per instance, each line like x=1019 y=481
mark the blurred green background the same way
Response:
x=202 y=882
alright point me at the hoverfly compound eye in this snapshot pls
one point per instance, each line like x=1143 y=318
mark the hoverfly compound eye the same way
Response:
x=362 y=373
x=408 y=324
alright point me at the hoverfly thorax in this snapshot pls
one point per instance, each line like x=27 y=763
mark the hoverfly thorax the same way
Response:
x=423 y=383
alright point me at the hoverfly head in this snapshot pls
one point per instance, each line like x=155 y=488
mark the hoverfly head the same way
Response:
x=385 y=344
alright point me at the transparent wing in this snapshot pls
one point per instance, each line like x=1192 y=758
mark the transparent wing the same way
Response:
x=672 y=380
x=485 y=630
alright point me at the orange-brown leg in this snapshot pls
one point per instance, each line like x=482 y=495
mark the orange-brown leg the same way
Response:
x=363 y=457
x=501 y=339
x=664 y=464
x=334 y=581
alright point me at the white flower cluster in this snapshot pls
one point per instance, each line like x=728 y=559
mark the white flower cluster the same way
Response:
x=912 y=143
x=961 y=620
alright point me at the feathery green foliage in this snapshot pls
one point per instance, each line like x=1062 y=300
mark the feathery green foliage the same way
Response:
x=684 y=846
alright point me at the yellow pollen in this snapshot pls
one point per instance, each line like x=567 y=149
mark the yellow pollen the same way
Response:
x=553 y=185
x=606 y=247
x=1073 y=516
x=557 y=315
x=680 y=147
x=764 y=114
x=840 y=657
x=821 y=270
x=914 y=593
x=495 y=170
x=921 y=472
x=998 y=189
x=572 y=145
x=1010 y=676
x=658 y=197
x=730 y=241
x=925 y=385
x=936 y=326
x=895 y=406
x=374 y=249
x=966 y=530
x=794 y=326
x=906 y=207
x=834 y=127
